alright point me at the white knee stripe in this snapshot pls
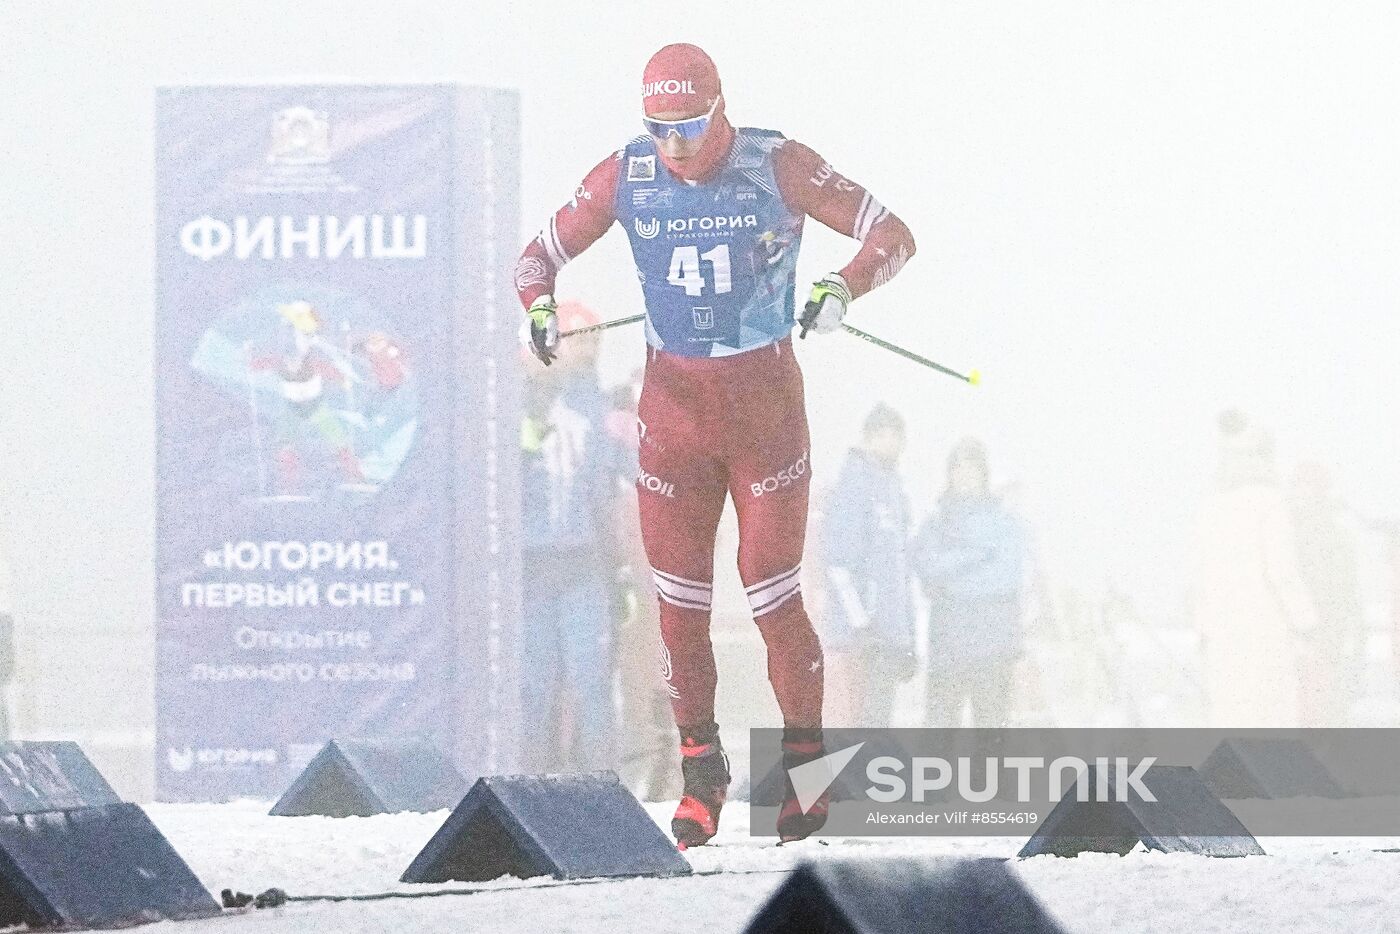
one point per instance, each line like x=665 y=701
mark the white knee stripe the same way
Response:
x=766 y=592
x=684 y=603
x=774 y=579
x=784 y=597
x=674 y=578
x=685 y=591
x=691 y=598
x=682 y=591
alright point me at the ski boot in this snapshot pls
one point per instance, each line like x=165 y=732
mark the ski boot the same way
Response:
x=801 y=746
x=705 y=769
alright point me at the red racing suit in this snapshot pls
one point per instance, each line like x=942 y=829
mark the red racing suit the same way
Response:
x=727 y=425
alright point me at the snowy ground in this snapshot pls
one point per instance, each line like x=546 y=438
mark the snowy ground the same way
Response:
x=1303 y=885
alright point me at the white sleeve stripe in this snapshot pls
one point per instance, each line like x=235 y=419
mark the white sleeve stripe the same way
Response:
x=872 y=213
x=860 y=215
x=547 y=242
x=563 y=257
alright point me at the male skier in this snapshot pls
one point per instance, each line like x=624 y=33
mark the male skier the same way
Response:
x=714 y=214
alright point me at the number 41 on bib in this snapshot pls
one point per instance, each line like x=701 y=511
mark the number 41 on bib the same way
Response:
x=685 y=269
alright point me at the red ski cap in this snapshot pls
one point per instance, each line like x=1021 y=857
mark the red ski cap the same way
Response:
x=679 y=77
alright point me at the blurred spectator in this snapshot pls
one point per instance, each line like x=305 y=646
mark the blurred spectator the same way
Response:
x=647 y=728
x=868 y=623
x=969 y=556
x=1249 y=600
x=1333 y=657
x=566 y=561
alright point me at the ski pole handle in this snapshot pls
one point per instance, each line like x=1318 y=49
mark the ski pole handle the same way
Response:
x=809 y=318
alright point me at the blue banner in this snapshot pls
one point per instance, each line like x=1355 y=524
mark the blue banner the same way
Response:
x=335 y=554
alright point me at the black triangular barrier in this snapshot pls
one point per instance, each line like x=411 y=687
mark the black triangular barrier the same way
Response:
x=1185 y=818
x=565 y=826
x=104 y=866
x=1250 y=767
x=49 y=776
x=360 y=777
x=893 y=896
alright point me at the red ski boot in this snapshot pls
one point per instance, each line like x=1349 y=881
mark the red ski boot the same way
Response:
x=799 y=748
x=705 y=769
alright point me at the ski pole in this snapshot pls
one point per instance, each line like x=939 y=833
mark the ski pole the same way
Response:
x=973 y=377
x=632 y=319
x=808 y=320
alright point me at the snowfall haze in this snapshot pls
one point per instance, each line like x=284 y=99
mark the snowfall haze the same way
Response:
x=1129 y=217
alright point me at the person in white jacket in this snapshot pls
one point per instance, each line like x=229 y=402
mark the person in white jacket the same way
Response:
x=1249 y=600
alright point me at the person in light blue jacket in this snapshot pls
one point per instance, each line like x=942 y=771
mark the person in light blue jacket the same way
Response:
x=969 y=557
x=868 y=619
x=567 y=466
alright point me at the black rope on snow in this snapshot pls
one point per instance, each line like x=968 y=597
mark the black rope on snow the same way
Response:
x=276 y=898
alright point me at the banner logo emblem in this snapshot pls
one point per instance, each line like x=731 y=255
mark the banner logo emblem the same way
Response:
x=300 y=136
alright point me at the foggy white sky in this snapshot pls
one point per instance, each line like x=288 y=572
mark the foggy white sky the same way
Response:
x=1128 y=216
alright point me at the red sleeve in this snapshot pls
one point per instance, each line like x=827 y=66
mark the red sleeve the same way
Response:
x=573 y=228
x=809 y=184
